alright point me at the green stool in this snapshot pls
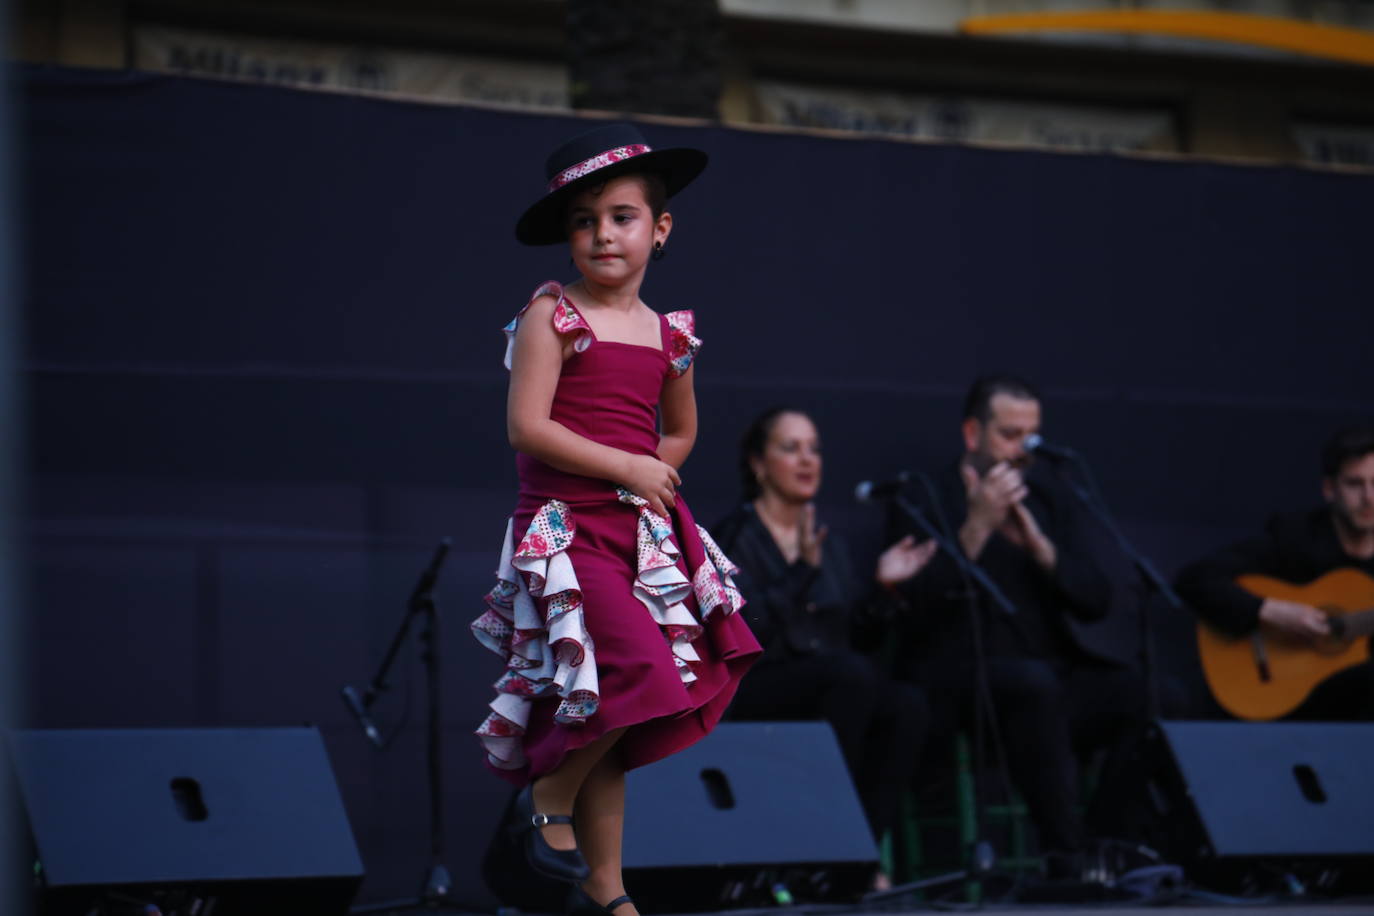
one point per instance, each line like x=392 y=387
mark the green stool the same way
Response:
x=913 y=862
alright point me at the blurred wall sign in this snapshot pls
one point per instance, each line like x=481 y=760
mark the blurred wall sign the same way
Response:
x=1336 y=144
x=450 y=77
x=969 y=119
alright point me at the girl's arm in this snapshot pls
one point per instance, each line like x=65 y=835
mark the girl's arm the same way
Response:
x=678 y=418
x=536 y=365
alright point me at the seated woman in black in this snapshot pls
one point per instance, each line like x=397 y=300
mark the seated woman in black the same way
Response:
x=809 y=610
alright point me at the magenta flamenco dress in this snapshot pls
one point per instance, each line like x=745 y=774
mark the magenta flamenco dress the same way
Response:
x=606 y=614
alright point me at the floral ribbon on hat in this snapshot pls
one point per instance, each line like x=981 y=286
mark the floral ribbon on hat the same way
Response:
x=600 y=161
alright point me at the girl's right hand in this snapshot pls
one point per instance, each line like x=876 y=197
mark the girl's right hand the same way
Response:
x=652 y=480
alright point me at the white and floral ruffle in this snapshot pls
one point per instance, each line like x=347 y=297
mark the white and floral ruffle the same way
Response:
x=566 y=320
x=661 y=587
x=555 y=656
x=683 y=343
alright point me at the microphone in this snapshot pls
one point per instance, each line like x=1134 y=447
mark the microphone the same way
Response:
x=870 y=491
x=359 y=709
x=1035 y=444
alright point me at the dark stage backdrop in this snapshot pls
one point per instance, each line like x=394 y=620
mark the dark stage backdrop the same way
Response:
x=264 y=357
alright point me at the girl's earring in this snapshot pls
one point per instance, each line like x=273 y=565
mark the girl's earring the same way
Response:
x=658 y=251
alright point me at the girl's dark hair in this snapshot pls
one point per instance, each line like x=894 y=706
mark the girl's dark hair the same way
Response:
x=655 y=192
x=752 y=444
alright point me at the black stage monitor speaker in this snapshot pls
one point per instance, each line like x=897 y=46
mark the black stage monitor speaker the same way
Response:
x=229 y=821
x=752 y=806
x=1270 y=790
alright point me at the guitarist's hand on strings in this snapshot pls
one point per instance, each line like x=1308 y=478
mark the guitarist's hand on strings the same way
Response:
x=1295 y=619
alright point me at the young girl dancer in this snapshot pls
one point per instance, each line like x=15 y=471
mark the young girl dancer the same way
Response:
x=615 y=613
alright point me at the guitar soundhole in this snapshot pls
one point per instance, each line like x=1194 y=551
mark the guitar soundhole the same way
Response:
x=1336 y=621
x=1310 y=785
x=1334 y=642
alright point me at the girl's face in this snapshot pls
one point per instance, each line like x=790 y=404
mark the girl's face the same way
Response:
x=790 y=466
x=612 y=231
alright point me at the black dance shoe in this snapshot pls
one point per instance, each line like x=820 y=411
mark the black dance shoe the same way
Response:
x=524 y=824
x=579 y=904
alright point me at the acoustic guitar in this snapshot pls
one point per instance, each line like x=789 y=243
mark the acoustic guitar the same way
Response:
x=1268 y=673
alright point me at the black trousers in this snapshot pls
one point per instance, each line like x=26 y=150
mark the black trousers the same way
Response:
x=1345 y=696
x=881 y=724
x=1050 y=715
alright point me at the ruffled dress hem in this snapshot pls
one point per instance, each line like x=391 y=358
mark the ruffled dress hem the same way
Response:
x=551 y=654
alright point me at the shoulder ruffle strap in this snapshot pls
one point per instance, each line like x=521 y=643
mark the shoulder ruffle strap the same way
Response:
x=566 y=320
x=682 y=343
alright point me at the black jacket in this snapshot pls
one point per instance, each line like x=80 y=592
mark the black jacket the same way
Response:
x=796 y=608
x=1047 y=604
x=1296 y=547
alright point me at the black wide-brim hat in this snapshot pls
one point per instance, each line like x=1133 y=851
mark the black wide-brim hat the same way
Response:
x=595 y=157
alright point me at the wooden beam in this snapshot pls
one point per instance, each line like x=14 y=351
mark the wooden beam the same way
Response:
x=1296 y=36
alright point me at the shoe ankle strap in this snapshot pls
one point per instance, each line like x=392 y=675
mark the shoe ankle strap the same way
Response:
x=623 y=898
x=543 y=820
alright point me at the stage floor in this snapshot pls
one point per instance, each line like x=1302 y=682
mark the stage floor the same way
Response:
x=1361 y=907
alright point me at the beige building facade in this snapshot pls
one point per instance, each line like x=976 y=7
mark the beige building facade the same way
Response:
x=1288 y=85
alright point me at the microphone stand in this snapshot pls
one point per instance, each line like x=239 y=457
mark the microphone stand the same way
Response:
x=982 y=855
x=955 y=550
x=1091 y=499
x=438 y=886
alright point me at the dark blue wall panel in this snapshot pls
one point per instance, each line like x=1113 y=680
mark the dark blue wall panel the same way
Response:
x=117 y=634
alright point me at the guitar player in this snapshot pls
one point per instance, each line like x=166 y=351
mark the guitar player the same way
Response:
x=1298 y=548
